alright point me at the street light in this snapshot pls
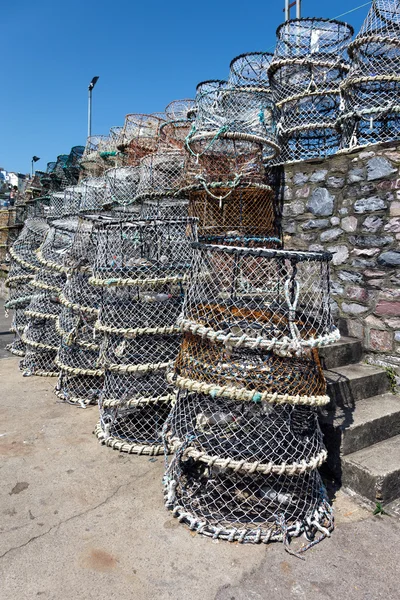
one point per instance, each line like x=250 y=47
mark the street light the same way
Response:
x=90 y=88
x=34 y=159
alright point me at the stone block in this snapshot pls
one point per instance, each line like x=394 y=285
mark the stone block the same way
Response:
x=372 y=224
x=393 y=323
x=343 y=211
x=289 y=227
x=355 y=328
x=365 y=251
x=355 y=175
x=379 y=167
x=349 y=224
x=340 y=254
x=335 y=182
x=319 y=176
x=321 y=202
x=362 y=262
x=315 y=224
x=374 y=322
x=287 y=193
x=300 y=178
x=397 y=336
x=294 y=209
x=316 y=248
x=302 y=192
x=364 y=205
x=330 y=235
x=335 y=221
x=395 y=209
x=385 y=307
x=357 y=293
x=389 y=259
x=374 y=273
x=367 y=241
x=381 y=341
x=393 y=225
x=350 y=276
x=353 y=308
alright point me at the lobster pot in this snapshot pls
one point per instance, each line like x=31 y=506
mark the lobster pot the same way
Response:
x=223 y=163
x=51 y=254
x=305 y=76
x=139 y=137
x=244 y=426
x=250 y=70
x=94 y=194
x=275 y=299
x=121 y=187
x=242 y=215
x=23 y=266
x=142 y=287
x=40 y=336
x=239 y=507
x=72 y=200
x=37 y=208
x=56 y=205
x=244 y=116
x=177 y=125
x=80 y=379
x=91 y=161
x=161 y=174
x=371 y=92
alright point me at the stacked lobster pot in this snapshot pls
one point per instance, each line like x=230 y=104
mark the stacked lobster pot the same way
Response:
x=371 y=92
x=162 y=173
x=23 y=267
x=306 y=72
x=232 y=135
x=40 y=334
x=139 y=137
x=141 y=269
x=244 y=427
x=80 y=379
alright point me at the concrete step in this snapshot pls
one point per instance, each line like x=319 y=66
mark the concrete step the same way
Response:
x=344 y=352
x=351 y=383
x=372 y=420
x=374 y=472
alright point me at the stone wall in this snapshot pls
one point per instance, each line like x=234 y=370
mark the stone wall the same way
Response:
x=349 y=204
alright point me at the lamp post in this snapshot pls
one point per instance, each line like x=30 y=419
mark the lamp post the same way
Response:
x=34 y=159
x=90 y=88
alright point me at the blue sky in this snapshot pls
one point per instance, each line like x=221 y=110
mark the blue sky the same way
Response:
x=146 y=53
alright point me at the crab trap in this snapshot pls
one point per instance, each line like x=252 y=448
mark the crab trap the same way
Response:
x=141 y=269
x=80 y=381
x=233 y=129
x=305 y=76
x=244 y=424
x=371 y=92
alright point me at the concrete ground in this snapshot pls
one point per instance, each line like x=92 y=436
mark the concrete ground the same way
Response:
x=81 y=521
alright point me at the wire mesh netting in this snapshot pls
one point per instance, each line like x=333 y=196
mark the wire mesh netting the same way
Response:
x=141 y=268
x=121 y=188
x=371 y=105
x=305 y=74
x=80 y=380
x=93 y=194
x=236 y=215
